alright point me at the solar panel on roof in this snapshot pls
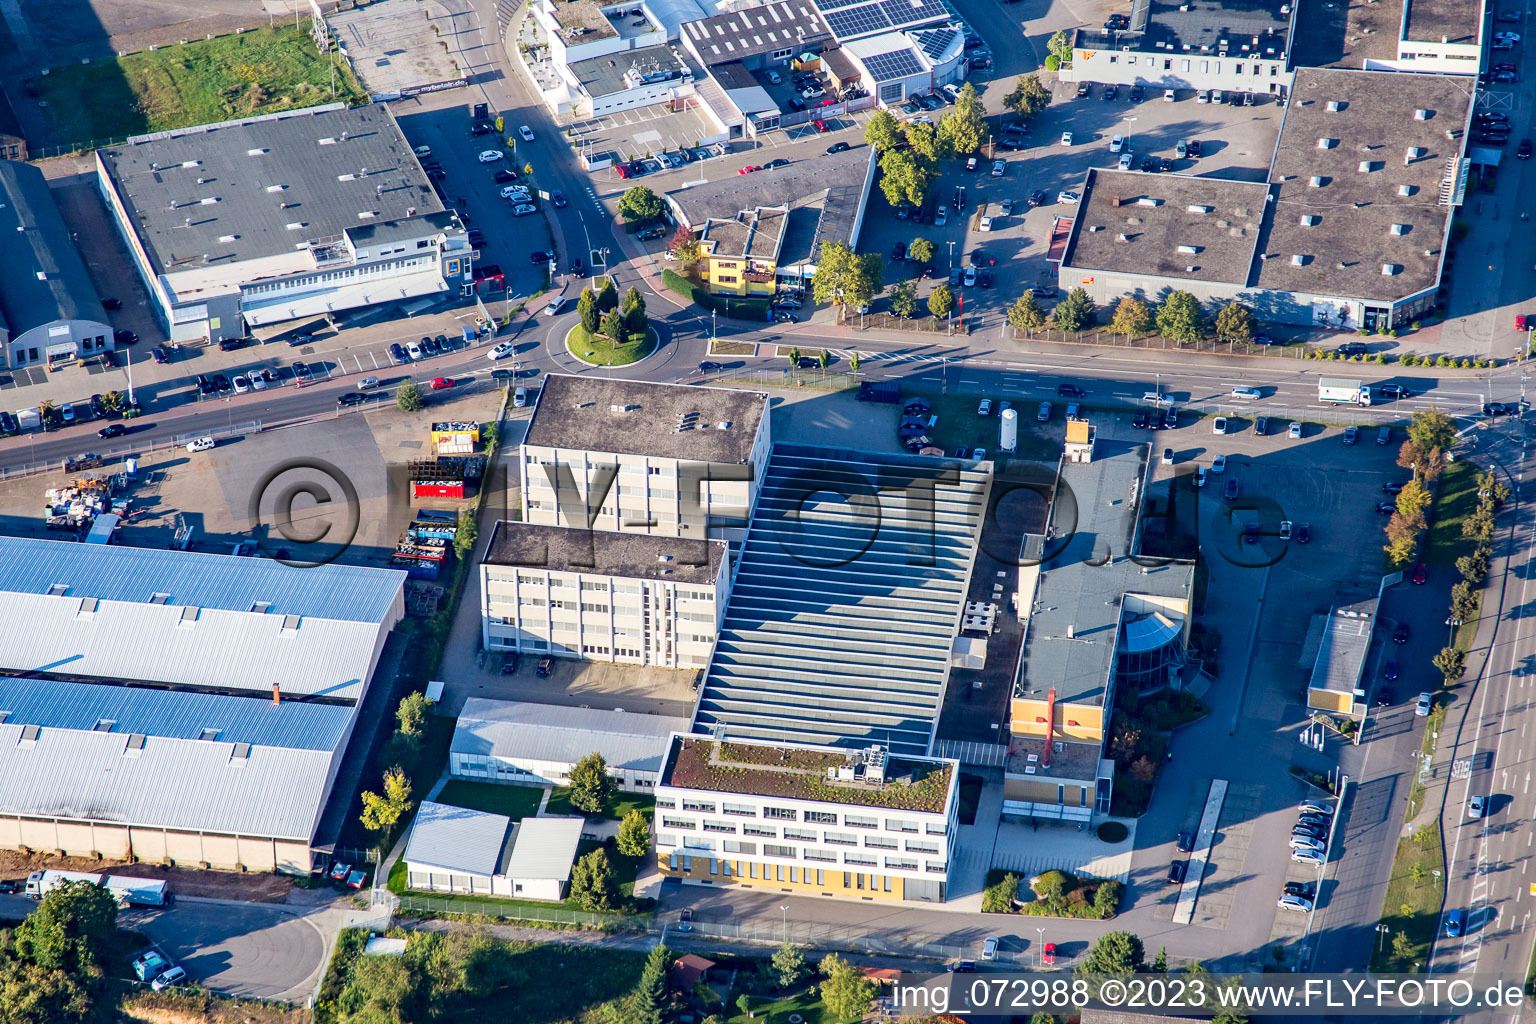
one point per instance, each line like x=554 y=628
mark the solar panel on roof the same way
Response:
x=857 y=21
x=911 y=12
x=935 y=42
x=888 y=67
x=832 y=5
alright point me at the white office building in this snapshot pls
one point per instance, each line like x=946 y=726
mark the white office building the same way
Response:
x=667 y=460
x=827 y=821
x=599 y=596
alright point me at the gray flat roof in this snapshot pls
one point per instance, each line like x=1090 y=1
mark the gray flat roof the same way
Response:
x=842 y=614
x=756 y=232
x=603 y=76
x=1078 y=614
x=542 y=847
x=1200 y=28
x=1167 y=225
x=1359 y=220
x=557 y=733
x=604 y=553
x=634 y=417
x=1346 y=641
x=42 y=278
x=1456 y=21
x=785 y=24
x=775 y=186
x=1346 y=35
x=262 y=174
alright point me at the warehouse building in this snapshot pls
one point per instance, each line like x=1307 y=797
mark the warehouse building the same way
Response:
x=455 y=849
x=1199 y=44
x=512 y=741
x=190 y=707
x=856 y=823
x=50 y=314
x=669 y=460
x=1348 y=233
x=274 y=218
x=596 y=595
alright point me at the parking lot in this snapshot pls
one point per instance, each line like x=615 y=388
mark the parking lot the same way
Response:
x=1236 y=142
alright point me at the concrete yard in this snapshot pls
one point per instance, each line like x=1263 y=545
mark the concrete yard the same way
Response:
x=391 y=47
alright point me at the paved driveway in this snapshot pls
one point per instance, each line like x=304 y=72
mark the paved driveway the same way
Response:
x=255 y=950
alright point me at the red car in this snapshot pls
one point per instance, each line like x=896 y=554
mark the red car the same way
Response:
x=623 y=170
x=821 y=125
x=438 y=383
x=1525 y=322
x=1421 y=574
x=748 y=169
x=1048 y=957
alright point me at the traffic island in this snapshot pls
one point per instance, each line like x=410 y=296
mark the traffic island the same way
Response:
x=600 y=350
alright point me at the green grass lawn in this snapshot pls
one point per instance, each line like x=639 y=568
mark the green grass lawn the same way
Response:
x=778 y=1013
x=595 y=348
x=516 y=802
x=256 y=72
x=1455 y=499
x=1412 y=904
x=623 y=803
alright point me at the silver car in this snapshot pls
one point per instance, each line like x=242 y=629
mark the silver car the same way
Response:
x=1307 y=843
x=1292 y=902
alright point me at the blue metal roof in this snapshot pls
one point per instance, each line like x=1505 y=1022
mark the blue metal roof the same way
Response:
x=116 y=573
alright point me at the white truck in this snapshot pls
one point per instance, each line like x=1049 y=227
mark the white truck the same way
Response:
x=29 y=419
x=140 y=892
x=1341 y=390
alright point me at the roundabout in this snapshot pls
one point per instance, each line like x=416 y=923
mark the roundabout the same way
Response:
x=598 y=350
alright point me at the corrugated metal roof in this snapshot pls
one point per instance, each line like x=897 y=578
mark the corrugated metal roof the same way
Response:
x=115 y=573
x=456 y=838
x=543 y=848
x=169 y=714
x=174 y=780
x=205 y=647
x=549 y=732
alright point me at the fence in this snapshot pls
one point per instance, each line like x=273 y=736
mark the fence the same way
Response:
x=1156 y=342
x=119 y=454
x=888 y=322
x=822 y=379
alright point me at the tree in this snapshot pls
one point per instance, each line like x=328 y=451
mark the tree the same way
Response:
x=1106 y=899
x=1028 y=97
x=846 y=992
x=963 y=130
x=612 y=327
x=648 y=1002
x=904 y=299
x=607 y=296
x=921 y=250
x=1060 y=47
x=382 y=812
x=883 y=132
x=788 y=965
x=1425 y=462
x=998 y=898
x=71 y=930
x=1131 y=318
x=1115 y=953
x=1400 y=544
x=592 y=787
x=587 y=311
x=925 y=142
x=794 y=357
x=684 y=244
x=633 y=308
x=853 y=362
x=408 y=397
x=113 y=401
x=1431 y=428
x=905 y=177
x=1451 y=662
x=844 y=276
x=1073 y=313
x=640 y=203
x=1026 y=314
x=379 y=989
x=1474 y=567
x=1463 y=602
x=1143 y=770
x=1413 y=503
x=1043 y=1018
x=1402 y=945
x=592 y=887
x=1235 y=323
x=1052 y=886
x=941 y=301
x=1180 y=318
x=634 y=838
x=823 y=359
x=414 y=706
x=1160 y=962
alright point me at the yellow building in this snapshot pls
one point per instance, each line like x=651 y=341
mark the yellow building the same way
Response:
x=1335 y=685
x=1097 y=617
x=740 y=255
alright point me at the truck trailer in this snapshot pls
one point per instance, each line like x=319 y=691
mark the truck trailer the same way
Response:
x=139 y=892
x=1342 y=390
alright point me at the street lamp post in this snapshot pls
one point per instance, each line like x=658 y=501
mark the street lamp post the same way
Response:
x=784 y=920
x=1381 y=934
x=1040 y=953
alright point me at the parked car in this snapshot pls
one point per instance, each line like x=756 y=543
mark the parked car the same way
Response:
x=173 y=976
x=1424 y=705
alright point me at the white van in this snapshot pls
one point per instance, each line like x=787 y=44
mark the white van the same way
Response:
x=199 y=444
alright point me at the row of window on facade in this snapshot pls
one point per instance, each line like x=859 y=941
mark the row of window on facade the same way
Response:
x=333 y=276
x=806 y=836
x=797 y=876
x=603 y=587
x=791 y=814
x=1206 y=67
x=31 y=354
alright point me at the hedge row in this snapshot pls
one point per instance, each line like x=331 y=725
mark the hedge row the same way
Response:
x=737 y=309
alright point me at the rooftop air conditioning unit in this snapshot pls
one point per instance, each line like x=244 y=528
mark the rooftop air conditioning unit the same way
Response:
x=1389 y=269
x=1189 y=250
x=1334 y=106
x=1399 y=229
x=1316 y=181
x=1298 y=260
x=1309 y=220
x=1421 y=114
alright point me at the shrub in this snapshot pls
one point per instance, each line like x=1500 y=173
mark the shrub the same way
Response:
x=1052 y=886
x=999 y=898
x=1465 y=364
x=1392 y=333
x=1408 y=359
x=1052 y=62
x=1443 y=361
x=1380 y=358
x=1416 y=325
x=1363 y=333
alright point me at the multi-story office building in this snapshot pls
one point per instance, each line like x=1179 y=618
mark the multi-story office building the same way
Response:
x=602 y=596
x=668 y=460
x=811 y=820
x=282 y=216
